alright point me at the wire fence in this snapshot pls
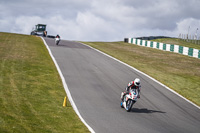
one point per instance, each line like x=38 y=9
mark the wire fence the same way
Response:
x=190 y=38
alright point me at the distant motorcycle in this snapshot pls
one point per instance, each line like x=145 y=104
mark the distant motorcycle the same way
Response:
x=57 y=40
x=129 y=99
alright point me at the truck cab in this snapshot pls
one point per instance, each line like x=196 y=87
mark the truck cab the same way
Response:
x=40 y=30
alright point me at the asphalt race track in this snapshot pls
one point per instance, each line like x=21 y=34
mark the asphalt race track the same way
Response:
x=96 y=82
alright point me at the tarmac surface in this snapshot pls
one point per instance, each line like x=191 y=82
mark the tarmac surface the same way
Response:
x=96 y=81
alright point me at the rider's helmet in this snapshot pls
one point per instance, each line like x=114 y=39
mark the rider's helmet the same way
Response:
x=137 y=82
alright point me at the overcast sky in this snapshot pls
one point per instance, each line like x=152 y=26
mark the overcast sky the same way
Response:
x=101 y=20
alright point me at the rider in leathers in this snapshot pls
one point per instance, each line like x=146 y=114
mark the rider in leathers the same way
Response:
x=57 y=36
x=133 y=85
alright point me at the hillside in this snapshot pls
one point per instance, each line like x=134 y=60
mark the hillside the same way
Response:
x=31 y=92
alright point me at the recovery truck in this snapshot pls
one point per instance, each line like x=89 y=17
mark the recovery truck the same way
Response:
x=40 y=30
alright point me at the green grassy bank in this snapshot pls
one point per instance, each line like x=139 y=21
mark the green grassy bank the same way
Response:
x=180 y=73
x=31 y=92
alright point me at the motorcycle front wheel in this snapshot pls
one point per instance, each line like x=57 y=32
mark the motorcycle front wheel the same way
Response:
x=57 y=42
x=129 y=105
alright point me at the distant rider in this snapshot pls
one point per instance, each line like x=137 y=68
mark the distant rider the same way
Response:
x=133 y=85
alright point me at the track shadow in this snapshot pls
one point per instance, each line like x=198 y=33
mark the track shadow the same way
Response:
x=144 y=110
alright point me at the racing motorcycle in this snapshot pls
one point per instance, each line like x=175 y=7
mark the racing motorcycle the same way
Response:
x=57 y=40
x=129 y=99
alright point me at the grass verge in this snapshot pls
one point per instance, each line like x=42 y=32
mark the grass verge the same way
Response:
x=31 y=91
x=180 y=73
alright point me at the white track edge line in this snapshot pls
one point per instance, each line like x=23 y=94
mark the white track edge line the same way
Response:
x=145 y=75
x=67 y=89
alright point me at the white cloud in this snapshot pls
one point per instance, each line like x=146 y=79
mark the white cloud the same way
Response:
x=187 y=25
x=104 y=20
